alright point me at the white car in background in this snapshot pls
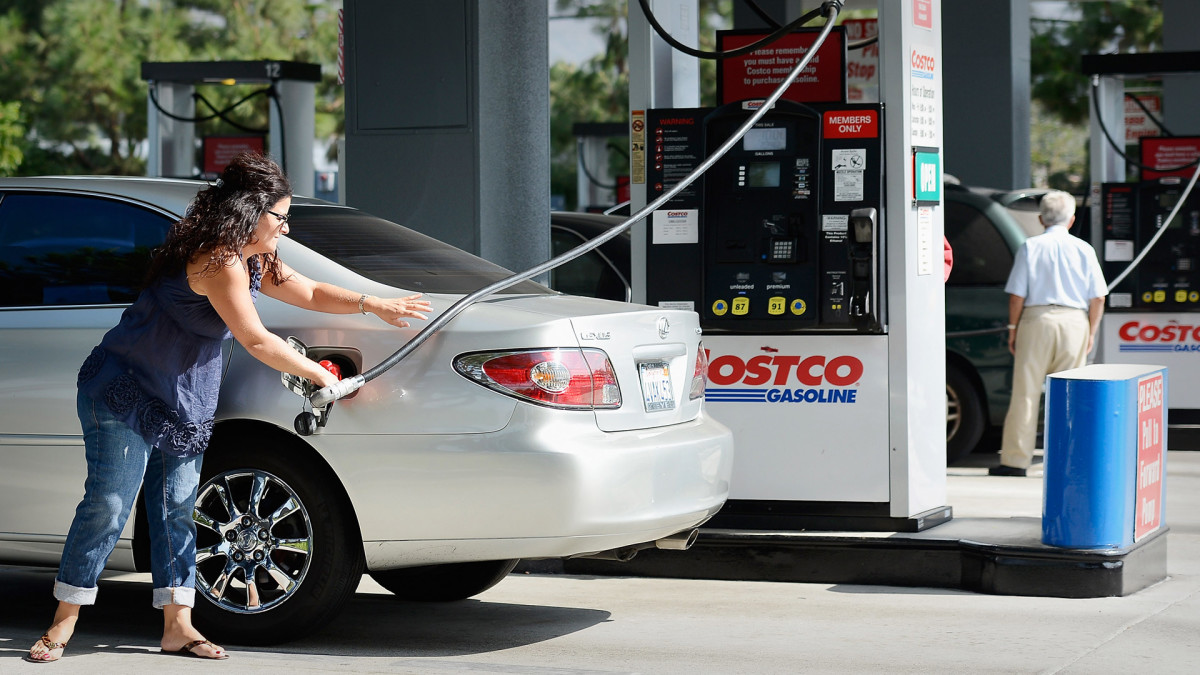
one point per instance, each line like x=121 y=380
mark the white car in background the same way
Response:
x=434 y=478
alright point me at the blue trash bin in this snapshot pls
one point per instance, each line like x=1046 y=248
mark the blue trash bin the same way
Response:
x=1105 y=456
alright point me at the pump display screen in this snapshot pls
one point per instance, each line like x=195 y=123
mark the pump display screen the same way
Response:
x=770 y=138
x=762 y=174
x=1167 y=201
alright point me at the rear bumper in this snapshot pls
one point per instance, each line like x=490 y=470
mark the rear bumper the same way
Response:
x=547 y=485
x=384 y=555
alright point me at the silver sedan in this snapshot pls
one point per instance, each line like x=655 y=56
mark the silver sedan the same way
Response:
x=534 y=425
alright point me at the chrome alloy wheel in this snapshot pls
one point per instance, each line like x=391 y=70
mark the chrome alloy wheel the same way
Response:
x=253 y=541
x=953 y=412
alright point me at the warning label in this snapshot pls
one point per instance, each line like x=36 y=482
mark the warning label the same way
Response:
x=637 y=147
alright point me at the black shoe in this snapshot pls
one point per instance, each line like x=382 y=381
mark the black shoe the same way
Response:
x=1003 y=470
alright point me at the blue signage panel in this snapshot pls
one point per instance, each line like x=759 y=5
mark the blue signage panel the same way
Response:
x=927 y=177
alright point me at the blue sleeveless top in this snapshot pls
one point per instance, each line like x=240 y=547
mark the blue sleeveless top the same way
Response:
x=159 y=369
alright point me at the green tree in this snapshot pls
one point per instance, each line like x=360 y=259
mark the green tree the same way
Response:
x=76 y=67
x=1056 y=48
x=1060 y=89
x=11 y=134
x=1058 y=151
x=598 y=90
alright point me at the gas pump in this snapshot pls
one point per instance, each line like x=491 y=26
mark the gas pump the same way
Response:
x=779 y=251
x=787 y=222
x=807 y=250
x=1149 y=239
x=1169 y=277
x=1154 y=311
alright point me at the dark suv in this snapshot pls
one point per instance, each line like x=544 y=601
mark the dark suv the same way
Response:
x=978 y=364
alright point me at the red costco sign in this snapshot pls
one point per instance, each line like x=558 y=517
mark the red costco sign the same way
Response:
x=219 y=151
x=757 y=74
x=852 y=124
x=1169 y=156
x=923 y=13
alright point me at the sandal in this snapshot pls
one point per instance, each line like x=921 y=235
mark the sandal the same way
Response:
x=50 y=645
x=186 y=650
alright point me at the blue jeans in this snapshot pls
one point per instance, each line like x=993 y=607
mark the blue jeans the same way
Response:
x=119 y=463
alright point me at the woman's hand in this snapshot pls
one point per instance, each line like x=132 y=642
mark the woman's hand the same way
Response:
x=323 y=378
x=392 y=309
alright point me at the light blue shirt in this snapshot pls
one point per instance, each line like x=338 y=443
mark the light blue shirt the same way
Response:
x=1056 y=268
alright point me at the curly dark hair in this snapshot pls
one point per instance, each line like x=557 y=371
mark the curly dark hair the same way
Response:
x=222 y=218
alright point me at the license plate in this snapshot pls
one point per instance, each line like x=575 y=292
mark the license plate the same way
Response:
x=656 y=386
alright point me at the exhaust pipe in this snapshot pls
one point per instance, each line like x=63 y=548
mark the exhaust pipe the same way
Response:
x=680 y=541
x=623 y=554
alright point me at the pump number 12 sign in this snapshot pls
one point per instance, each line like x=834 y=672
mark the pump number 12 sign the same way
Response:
x=1150 y=441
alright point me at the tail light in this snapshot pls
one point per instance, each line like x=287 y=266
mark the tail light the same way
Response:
x=580 y=379
x=699 y=375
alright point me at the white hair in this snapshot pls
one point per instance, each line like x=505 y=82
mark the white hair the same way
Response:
x=1057 y=207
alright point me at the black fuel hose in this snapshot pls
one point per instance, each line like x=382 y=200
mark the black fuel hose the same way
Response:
x=345 y=387
x=835 y=5
x=1116 y=148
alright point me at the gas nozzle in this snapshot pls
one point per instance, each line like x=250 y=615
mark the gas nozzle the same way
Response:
x=323 y=397
x=863 y=222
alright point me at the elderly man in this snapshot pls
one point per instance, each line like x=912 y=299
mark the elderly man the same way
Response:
x=1056 y=298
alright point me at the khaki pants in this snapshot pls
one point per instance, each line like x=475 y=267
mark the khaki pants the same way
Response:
x=1050 y=339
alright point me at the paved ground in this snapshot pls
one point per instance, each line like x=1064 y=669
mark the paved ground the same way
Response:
x=568 y=624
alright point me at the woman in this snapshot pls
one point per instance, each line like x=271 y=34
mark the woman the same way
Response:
x=148 y=392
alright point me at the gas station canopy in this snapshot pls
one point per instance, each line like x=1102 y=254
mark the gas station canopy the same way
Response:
x=230 y=72
x=171 y=112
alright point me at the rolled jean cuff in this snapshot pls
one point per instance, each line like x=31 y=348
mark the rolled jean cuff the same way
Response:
x=177 y=595
x=73 y=594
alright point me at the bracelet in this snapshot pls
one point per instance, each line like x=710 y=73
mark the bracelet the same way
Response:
x=1011 y=326
x=361 y=299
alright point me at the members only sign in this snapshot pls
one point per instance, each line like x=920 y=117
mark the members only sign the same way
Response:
x=1151 y=424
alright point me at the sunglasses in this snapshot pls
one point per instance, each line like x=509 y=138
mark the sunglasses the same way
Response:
x=283 y=217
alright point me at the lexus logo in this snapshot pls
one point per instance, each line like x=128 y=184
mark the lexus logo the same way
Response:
x=664 y=328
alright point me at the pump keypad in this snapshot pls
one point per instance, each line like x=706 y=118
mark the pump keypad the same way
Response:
x=783 y=250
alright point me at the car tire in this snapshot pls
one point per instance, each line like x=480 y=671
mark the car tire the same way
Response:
x=964 y=415
x=299 y=542
x=444 y=583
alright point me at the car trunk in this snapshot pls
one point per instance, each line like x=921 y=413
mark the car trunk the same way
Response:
x=653 y=352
